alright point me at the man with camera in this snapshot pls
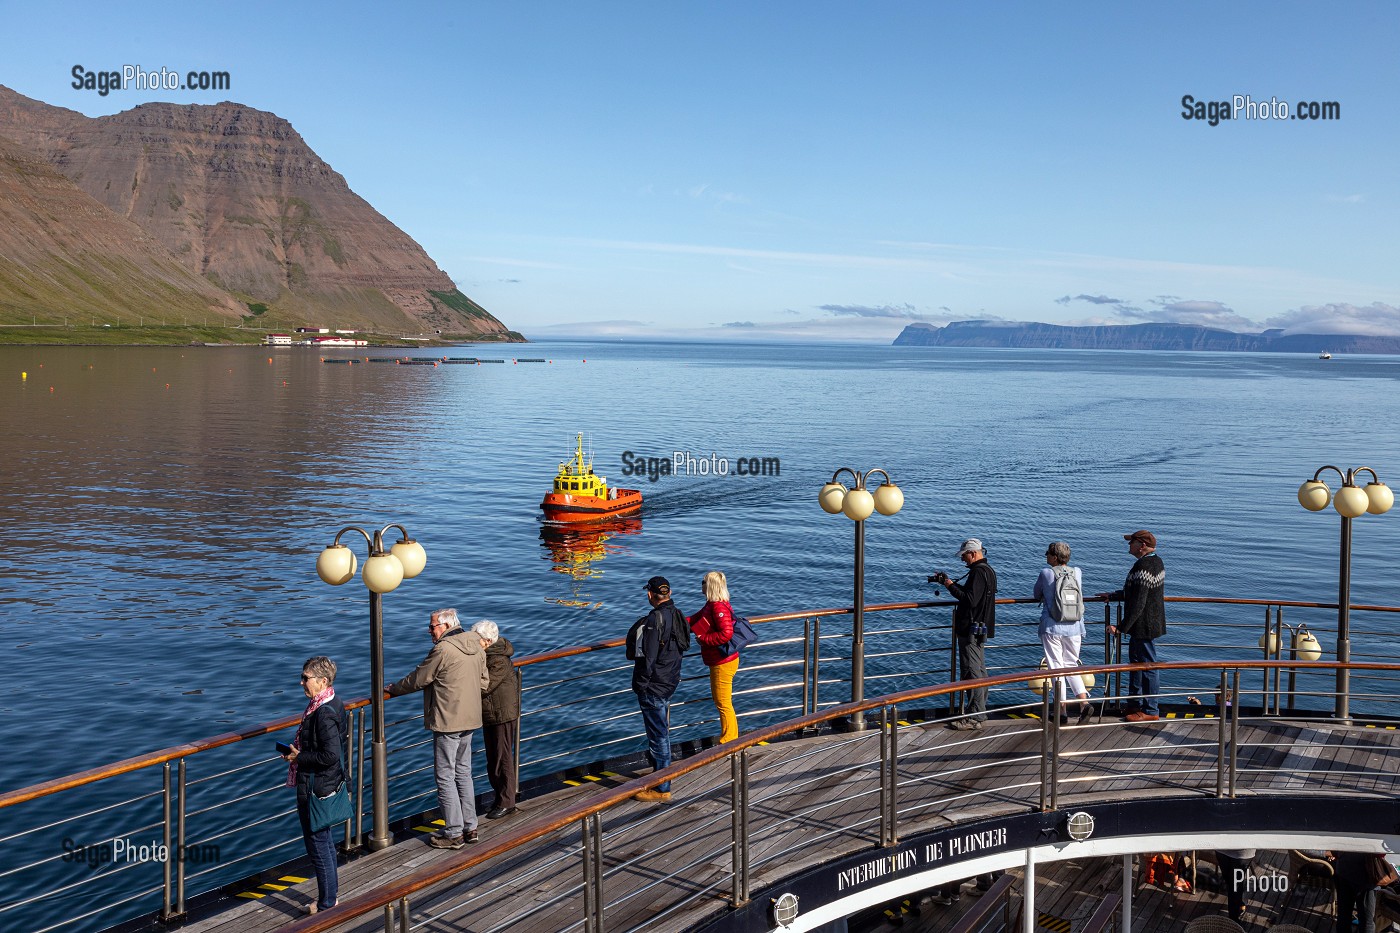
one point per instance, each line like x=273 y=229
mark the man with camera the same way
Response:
x=974 y=621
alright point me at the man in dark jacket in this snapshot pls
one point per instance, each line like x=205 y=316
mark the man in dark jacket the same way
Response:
x=1144 y=621
x=656 y=643
x=974 y=621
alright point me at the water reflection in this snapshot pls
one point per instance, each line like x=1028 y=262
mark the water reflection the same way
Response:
x=575 y=549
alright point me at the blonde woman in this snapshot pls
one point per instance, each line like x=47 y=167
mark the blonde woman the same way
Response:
x=713 y=627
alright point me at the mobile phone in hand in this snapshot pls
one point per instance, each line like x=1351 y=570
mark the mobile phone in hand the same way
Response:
x=284 y=749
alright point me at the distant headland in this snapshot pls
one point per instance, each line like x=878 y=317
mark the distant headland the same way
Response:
x=1028 y=335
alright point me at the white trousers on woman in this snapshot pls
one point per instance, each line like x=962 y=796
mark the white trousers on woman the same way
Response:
x=1062 y=651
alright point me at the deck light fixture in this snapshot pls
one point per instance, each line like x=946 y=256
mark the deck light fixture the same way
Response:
x=857 y=503
x=383 y=572
x=1080 y=826
x=1351 y=501
x=783 y=910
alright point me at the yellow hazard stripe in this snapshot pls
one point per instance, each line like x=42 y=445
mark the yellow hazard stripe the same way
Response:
x=1051 y=922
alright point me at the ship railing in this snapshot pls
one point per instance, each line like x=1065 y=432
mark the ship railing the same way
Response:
x=881 y=791
x=216 y=809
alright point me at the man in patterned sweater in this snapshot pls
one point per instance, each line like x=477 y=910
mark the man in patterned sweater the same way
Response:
x=1144 y=621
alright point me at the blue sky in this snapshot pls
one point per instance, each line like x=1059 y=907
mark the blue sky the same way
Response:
x=820 y=170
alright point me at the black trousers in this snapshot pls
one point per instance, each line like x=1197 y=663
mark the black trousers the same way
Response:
x=500 y=742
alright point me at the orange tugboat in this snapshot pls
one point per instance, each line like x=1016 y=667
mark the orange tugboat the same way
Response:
x=580 y=495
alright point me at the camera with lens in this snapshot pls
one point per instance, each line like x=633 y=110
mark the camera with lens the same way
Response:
x=940 y=578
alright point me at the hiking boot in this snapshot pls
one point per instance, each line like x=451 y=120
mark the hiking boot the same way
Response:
x=942 y=899
x=653 y=796
x=472 y=836
x=446 y=842
x=964 y=725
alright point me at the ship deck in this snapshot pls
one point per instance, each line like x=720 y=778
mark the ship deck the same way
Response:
x=817 y=799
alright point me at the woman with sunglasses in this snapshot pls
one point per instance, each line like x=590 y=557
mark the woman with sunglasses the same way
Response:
x=316 y=767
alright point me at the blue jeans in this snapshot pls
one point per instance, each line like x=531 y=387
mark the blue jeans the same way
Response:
x=452 y=766
x=1143 y=684
x=656 y=716
x=322 y=851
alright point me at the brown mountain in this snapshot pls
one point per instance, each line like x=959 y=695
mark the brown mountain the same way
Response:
x=237 y=198
x=62 y=254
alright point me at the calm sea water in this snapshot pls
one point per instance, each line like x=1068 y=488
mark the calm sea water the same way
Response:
x=164 y=507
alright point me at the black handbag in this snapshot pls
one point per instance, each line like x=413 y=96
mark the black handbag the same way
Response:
x=327 y=811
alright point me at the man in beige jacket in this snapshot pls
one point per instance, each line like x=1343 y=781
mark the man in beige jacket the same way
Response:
x=452 y=678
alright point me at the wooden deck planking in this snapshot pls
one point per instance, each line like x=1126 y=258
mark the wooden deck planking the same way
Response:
x=812 y=799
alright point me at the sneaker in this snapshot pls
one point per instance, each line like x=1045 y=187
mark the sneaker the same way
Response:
x=653 y=796
x=964 y=725
x=472 y=836
x=1085 y=714
x=447 y=842
x=1141 y=717
x=942 y=900
x=496 y=813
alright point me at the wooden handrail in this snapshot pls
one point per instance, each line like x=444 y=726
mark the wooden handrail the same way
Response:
x=605 y=799
x=175 y=752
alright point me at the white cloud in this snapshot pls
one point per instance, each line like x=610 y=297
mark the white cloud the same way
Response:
x=1375 y=319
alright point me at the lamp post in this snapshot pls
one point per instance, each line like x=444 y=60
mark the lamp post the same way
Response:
x=1350 y=502
x=384 y=571
x=856 y=504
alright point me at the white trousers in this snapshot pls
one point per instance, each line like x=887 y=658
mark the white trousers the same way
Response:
x=1062 y=651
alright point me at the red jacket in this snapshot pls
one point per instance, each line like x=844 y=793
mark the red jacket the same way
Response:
x=713 y=626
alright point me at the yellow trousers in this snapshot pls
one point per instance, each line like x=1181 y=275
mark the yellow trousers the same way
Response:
x=722 y=690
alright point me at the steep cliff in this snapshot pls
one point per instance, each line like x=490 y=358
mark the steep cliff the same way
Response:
x=1133 y=337
x=237 y=197
x=61 y=251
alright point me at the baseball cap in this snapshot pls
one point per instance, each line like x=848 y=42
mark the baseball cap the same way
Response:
x=658 y=585
x=971 y=544
x=1143 y=535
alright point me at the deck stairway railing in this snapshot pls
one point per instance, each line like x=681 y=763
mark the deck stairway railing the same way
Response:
x=140 y=835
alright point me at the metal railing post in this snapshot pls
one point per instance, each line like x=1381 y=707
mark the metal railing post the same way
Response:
x=1292 y=656
x=180 y=843
x=1234 y=728
x=349 y=770
x=403 y=915
x=591 y=832
x=1118 y=652
x=520 y=694
x=360 y=777
x=1268 y=630
x=165 y=836
x=807 y=708
x=1056 y=710
x=1044 y=749
x=739 y=825
x=816 y=661
x=889 y=774
x=388 y=918
x=1221 y=747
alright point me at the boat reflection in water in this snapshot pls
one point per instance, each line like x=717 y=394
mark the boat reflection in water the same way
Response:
x=574 y=549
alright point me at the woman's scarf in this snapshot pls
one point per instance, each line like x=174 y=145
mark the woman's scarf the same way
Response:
x=319 y=700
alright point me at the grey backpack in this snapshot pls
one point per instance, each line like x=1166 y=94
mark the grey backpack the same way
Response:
x=1066 y=597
